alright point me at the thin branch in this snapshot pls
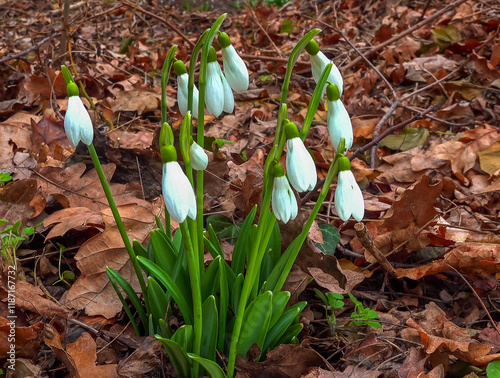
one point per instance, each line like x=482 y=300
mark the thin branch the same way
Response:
x=376 y=130
x=263 y=30
x=31 y=49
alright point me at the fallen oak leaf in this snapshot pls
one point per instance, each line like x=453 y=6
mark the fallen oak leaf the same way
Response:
x=76 y=218
x=27 y=339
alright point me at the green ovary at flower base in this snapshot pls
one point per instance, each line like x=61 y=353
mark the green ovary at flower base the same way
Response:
x=182 y=89
x=198 y=156
x=77 y=122
x=177 y=190
x=234 y=67
x=348 y=197
x=283 y=200
x=318 y=64
x=300 y=166
x=339 y=122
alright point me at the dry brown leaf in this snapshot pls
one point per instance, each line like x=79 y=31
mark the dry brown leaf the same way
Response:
x=415 y=206
x=76 y=218
x=15 y=199
x=137 y=101
x=143 y=360
x=14 y=135
x=32 y=298
x=466 y=258
x=92 y=291
x=27 y=339
x=84 y=354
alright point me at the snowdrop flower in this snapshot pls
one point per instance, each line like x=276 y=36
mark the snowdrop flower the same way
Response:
x=228 y=93
x=300 y=165
x=214 y=91
x=283 y=200
x=348 y=197
x=77 y=122
x=318 y=63
x=198 y=156
x=339 y=122
x=182 y=89
x=234 y=67
x=176 y=188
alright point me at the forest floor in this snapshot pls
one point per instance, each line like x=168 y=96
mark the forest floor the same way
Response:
x=421 y=84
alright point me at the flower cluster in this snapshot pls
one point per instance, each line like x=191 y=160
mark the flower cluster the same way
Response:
x=348 y=196
x=218 y=96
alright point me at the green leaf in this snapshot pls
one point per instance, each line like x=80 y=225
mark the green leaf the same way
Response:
x=178 y=356
x=173 y=289
x=243 y=244
x=213 y=370
x=409 y=138
x=282 y=325
x=126 y=42
x=210 y=280
x=68 y=275
x=5 y=177
x=255 y=323
x=158 y=302
x=184 y=336
x=224 y=227
x=289 y=335
x=210 y=329
x=280 y=299
x=287 y=26
x=331 y=238
x=236 y=292
x=445 y=36
x=163 y=251
x=223 y=302
x=28 y=231
x=493 y=369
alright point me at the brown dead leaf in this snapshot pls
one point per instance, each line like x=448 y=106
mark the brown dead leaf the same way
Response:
x=416 y=205
x=27 y=339
x=141 y=140
x=72 y=188
x=490 y=159
x=39 y=85
x=76 y=218
x=32 y=298
x=84 y=354
x=143 y=360
x=139 y=101
x=50 y=133
x=15 y=199
x=285 y=361
x=466 y=258
x=92 y=291
x=14 y=136
x=438 y=333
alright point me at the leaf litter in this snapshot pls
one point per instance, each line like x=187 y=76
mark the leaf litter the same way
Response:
x=431 y=188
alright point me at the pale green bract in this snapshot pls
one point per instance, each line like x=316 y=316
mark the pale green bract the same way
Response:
x=348 y=197
x=283 y=200
x=77 y=122
x=300 y=166
x=235 y=69
x=178 y=192
x=339 y=124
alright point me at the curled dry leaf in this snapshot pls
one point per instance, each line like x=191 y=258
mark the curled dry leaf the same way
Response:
x=32 y=298
x=15 y=199
x=27 y=341
x=73 y=218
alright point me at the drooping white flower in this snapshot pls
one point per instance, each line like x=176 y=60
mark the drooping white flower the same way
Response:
x=182 y=89
x=228 y=93
x=234 y=67
x=348 y=197
x=77 y=122
x=339 y=122
x=177 y=190
x=300 y=166
x=198 y=156
x=318 y=63
x=214 y=90
x=283 y=200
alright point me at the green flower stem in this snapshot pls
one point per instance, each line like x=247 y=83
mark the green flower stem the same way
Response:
x=119 y=222
x=194 y=277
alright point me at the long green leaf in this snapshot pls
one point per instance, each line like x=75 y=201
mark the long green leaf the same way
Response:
x=243 y=244
x=210 y=280
x=163 y=251
x=255 y=322
x=158 y=303
x=116 y=278
x=223 y=303
x=213 y=370
x=167 y=281
x=281 y=326
x=210 y=329
x=184 y=336
x=236 y=292
x=280 y=299
x=178 y=356
x=290 y=333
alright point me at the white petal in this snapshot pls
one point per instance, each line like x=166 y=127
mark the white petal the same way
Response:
x=178 y=193
x=182 y=95
x=198 y=156
x=318 y=64
x=214 y=95
x=77 y=122
x=344 y=195
x=283 y=200
x=358 y=203
x=339 y=124
x=300 y=166
x=228 y=93
x=235 y=69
